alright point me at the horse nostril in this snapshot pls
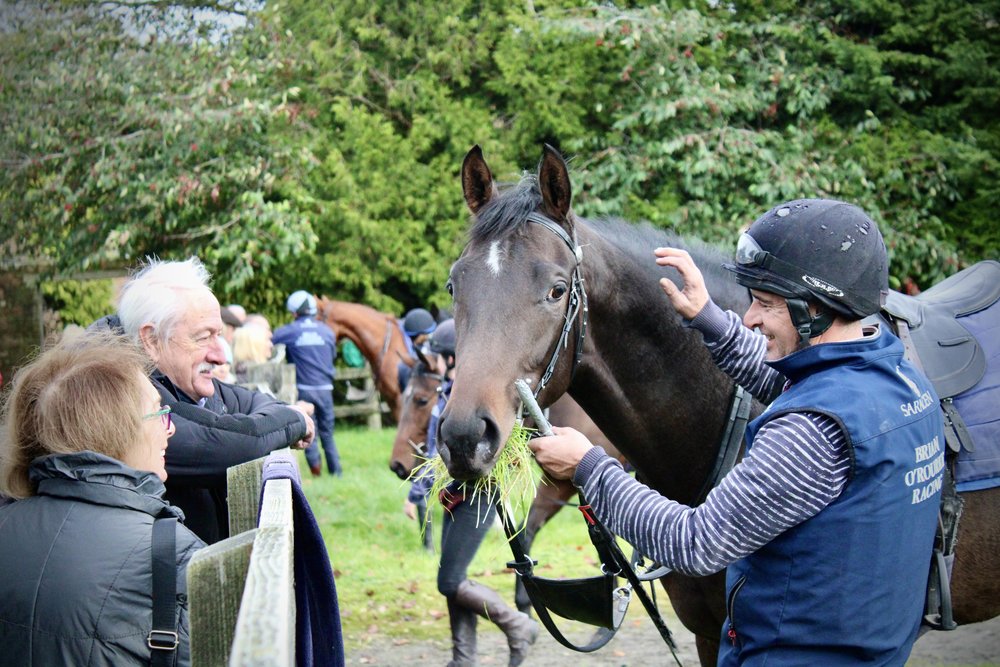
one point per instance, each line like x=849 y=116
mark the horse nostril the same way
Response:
x=491 y=434
x=399 y=469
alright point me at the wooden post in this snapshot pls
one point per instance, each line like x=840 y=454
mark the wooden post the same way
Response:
x=243 y=483
x=265 y=629
x=374 y=400
x=215 y=577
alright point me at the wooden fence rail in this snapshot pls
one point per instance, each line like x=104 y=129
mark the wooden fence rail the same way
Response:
x=279 y=379
x=241 y=590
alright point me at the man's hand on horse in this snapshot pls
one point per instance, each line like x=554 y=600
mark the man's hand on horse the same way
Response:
x=690 y=299
x=560 y=454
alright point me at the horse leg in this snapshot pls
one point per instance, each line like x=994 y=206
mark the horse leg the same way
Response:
x=975 y=580
x=550 y=498
x=699 y=603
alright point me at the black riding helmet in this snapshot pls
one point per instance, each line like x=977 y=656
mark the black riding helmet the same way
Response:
x=823 y=251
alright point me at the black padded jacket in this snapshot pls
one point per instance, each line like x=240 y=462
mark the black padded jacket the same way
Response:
x=77 y=565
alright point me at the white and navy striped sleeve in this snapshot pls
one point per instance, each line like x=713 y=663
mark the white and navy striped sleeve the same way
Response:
x=737 y=350
x=798 y=465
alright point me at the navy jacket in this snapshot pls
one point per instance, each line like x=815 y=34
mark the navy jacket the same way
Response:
x=235 y=425
x=847 y=586
x=312 y=347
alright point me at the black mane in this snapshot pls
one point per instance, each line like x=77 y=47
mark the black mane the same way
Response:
x=508 y=212
x=504 y=214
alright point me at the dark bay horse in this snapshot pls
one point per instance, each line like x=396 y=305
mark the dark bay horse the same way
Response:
x=409 y=447
x=379 y=338
x=646 y=380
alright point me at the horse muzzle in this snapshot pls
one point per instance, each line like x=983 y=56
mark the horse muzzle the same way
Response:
x=469 y=446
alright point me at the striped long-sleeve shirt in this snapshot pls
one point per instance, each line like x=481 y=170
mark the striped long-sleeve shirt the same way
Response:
x=798 y=465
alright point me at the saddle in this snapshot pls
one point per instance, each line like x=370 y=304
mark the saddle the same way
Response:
x=954 y=361
x=950 y=356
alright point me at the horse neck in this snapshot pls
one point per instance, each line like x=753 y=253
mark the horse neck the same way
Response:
x=366 y=328
x=647 y=381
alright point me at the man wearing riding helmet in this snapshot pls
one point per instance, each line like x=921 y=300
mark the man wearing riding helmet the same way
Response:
x=827 y=523
x=418 y=324
x=467 y=519
x=311 y=346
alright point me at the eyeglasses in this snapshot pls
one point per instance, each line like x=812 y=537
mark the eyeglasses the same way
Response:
x=163 y=413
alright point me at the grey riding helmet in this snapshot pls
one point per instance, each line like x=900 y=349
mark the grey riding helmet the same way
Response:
x=443 y=339
x=821 y=250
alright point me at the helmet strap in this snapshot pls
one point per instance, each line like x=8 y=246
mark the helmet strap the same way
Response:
x=809 y=326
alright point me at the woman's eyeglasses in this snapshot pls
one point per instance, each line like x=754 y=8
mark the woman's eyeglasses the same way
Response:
x=163 y=413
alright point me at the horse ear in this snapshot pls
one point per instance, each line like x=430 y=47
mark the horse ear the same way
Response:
x=553 y=180
x=477 y=180
x=422 y=358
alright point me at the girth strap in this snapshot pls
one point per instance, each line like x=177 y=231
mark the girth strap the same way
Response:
x=732 y=441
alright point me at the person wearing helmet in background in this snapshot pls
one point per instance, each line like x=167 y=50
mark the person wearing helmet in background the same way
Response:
x=418 y=324
x=467 y=519
x=312 y=347
x=827 y=523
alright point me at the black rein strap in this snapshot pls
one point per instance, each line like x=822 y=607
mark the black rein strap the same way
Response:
x=613 y=562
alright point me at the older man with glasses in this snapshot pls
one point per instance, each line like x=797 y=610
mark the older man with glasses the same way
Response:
x=169 y=309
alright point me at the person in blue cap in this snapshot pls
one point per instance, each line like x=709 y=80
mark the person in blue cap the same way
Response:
x=418 y=324
x=312 y=347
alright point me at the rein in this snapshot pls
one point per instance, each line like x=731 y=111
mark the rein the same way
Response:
x=577 y=307
x=594 y=600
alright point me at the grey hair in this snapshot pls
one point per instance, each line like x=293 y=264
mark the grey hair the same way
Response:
x=154 y=295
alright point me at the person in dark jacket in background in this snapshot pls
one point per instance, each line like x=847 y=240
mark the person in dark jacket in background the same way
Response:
x=86 y=435
x=168 y=309
x=312 y=347
x=417 y=325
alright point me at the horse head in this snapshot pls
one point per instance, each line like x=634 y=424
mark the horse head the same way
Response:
x=517 y=295
x=418 y=400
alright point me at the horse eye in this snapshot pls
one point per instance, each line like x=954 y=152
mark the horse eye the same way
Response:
x=557 y=292
x=421 y=401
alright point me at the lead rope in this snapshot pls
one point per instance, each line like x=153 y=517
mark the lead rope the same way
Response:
x=613 y=561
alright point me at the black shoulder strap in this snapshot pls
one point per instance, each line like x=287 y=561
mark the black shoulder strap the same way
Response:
x=162 y=639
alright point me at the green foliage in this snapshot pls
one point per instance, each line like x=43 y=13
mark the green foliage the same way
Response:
x=319 y=146
x=79 y=302
x=117 y=145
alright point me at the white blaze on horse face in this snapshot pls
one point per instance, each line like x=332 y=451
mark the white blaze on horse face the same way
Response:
x=495 y=258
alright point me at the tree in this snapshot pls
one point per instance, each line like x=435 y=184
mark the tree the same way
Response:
x=140 y=131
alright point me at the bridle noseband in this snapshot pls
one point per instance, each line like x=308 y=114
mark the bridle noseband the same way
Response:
x=577 y=306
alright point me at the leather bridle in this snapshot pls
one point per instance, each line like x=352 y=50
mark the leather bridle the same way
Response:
x=575 y=309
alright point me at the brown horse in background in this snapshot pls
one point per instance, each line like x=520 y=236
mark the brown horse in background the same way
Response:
x=410 y=447
x=379 y=338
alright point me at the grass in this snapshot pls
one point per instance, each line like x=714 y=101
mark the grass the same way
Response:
x=386 y=582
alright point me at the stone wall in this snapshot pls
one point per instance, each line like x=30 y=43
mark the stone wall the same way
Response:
x=20 y=319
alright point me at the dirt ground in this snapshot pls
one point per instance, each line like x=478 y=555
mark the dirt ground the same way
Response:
x=638 y=644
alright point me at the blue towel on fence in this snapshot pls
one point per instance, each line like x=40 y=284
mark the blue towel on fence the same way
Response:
x=319 y=641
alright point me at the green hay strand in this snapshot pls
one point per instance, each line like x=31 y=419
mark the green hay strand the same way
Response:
x=514 y=479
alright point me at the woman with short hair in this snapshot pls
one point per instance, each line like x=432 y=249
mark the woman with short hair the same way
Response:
x=84 y=456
